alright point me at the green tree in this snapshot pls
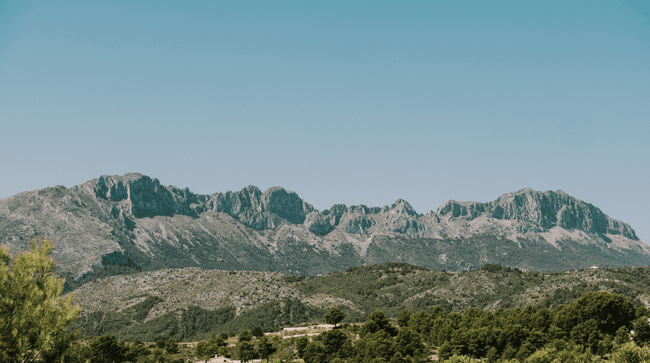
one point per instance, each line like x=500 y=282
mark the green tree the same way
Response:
x=403 y=318
x=168 y=344
x=334 y=316
x=445 y=351
x=492 y=355
x=378 y=345
x=377 y=321
x=460 y=359
x=258 y=332
x=509 y=352
x=314 y=353
x=264 y=348
x=397 y=358
x=605 y=346
x=622 y=335
x=33 y=316
x=610 y=311
x=137 y=350
x=587 y=335
x=107 y=349
x=245 y=336
x=245 y=351
x=210 y=347
x=301 y=345
x=630 y=353
x=171 y=346
x=641 y=331
x=408 y=342
x=78 y=353
x=574 y=354
x=544 y=355
x=333 y=341
x=158 y=356
x=524 y=351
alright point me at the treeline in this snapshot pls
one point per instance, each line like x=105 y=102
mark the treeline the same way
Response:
x=595 y=322
x=195 y=323
x=108 y=349
x=598 y=325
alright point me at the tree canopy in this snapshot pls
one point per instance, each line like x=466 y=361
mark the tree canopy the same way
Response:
x=334 y=316
x=33 y=316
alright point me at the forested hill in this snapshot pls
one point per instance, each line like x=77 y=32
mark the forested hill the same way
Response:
x=193 y=303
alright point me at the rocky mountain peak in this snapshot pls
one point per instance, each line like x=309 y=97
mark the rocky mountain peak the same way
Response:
x=549 y=209
x=286 y=204
x=142 y=196
x=455 y=209
x=542 y=210
x=273 y=208
x=400 y=207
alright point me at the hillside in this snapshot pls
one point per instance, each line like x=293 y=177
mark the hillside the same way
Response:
x=192 y=303
x=116 y=225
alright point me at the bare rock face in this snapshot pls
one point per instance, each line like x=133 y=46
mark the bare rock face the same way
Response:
x=402 y=219
x=335 y=213
x=286 y=204
x=356 y=223
x=357 y=219
x=146 y=197
x=318 y=224
x=544 y=210
x=400 y=207
x=122 y=224
x=271 y=209
x=466 y=210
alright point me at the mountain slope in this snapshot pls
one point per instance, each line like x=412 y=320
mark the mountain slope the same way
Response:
x=168 y=302
x=123 y=224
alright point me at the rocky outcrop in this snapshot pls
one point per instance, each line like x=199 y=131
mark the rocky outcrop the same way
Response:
x=270 y=209
x=145 y=197
x=454 y=209
x=543 y=210
x=121 y=224
x=318 y=224
x=142 y=197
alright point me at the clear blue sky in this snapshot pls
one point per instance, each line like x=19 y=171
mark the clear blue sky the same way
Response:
x=340 y=101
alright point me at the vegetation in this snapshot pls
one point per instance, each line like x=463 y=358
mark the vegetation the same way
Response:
x=35 y=320
x=583 y=318
x=33 y=317
x=577 y=332
x=193 y=304
x=334 y=316
x=589 y=315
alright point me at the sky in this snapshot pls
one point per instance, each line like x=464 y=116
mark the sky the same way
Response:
x=353 y=102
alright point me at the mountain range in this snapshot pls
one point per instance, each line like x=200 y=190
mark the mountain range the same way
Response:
x=116 y=225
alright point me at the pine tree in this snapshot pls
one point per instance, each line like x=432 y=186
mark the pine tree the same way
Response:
x=334 y=316
x=33 y=316
x=245 y=351
x=264 y=348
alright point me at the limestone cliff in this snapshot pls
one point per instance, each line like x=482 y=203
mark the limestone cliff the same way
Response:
x=122 y=224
